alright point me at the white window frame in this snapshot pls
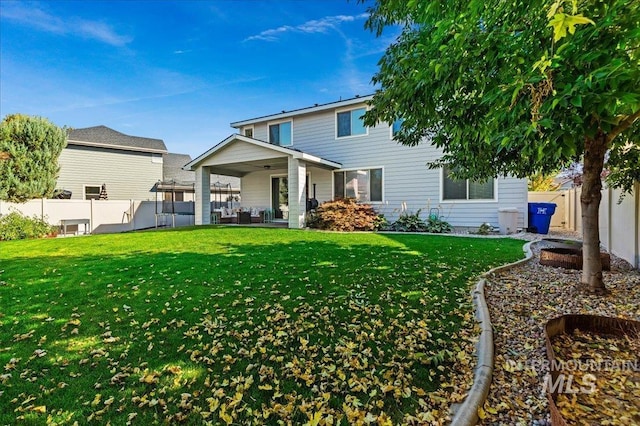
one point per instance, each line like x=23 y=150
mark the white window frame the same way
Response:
x=273 y=123
x=84 y=191
x=335 y=122
x=333 y=182
x=467 y=201
x=279 y=175
x=253 y=131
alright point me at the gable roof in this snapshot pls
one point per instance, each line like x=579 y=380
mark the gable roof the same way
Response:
x=295 y=153
x=104 y=137
x=301 y=111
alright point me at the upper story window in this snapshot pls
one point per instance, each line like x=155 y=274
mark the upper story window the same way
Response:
x=396 y=126
x=362 y=185
x=280 y=133
x=349 y=123
x=248 y=131
x=466 y=189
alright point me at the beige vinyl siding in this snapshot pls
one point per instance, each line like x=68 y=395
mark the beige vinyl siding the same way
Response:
x=241 y=153
x=406 y=178
x=324 y=184
x=128 y=175
x=256 y=188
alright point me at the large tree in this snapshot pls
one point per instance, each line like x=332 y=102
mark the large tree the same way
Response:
x=29 y=151
x=517 y=88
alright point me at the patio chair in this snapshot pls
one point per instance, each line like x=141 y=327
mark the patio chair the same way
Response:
x=267 y=216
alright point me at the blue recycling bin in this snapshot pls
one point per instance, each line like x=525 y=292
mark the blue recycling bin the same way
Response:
x=540 y=216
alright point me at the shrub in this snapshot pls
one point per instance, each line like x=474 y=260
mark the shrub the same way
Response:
x=381 y=223
x=412 y=222
x=15 y=226
x=438 y=226
x=345 y=214
x=409 y=222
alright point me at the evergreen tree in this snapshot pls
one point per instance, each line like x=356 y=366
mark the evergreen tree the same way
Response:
x=29 y=151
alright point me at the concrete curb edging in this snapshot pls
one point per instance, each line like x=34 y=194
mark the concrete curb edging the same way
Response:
x=467 y=413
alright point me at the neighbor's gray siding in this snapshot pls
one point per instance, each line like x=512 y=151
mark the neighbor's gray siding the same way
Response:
x=406 y=177
x=128 y=175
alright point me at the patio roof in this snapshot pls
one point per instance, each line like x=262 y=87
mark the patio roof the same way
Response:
x=228 y=158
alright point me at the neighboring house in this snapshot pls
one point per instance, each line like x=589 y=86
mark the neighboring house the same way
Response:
x=129 y=166
x=326 y=151
x=178 y=184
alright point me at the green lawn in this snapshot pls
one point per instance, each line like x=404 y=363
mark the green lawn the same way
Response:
x=233 y=325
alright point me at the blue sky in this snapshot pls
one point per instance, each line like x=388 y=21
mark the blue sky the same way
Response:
x=181 y=71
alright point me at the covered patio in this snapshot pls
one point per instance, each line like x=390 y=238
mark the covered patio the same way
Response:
x=274 y=179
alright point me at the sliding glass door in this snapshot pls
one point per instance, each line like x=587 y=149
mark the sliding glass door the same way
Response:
x=280 y=196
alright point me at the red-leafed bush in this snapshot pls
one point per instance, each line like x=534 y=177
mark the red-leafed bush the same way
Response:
x=344 y=214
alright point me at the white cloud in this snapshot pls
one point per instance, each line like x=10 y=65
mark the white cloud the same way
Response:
x=314 y=26
x=32 y=16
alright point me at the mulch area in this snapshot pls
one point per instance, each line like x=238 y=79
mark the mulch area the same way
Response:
x=521 y=301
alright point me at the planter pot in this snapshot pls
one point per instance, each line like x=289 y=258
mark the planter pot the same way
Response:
x=569 y=258
x=588 y=323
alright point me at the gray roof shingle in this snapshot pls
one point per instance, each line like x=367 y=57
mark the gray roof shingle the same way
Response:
x=172 y=171
x=172 y=168
x=109 y=138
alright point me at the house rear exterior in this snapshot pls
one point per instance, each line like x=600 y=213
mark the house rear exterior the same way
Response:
x=326 y=152
x=129 y=166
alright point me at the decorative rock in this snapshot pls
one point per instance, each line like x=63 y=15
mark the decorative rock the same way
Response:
x=521 y=301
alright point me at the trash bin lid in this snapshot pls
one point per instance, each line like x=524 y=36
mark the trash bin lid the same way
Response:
x=533 y=206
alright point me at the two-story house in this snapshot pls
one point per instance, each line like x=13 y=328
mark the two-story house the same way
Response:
x=326 y=151
x=129 y=166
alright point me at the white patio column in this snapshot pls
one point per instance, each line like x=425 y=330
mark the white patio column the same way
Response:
x=203 y=196
x=297 y=196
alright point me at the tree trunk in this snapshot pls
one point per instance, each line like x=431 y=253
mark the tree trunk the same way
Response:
x=595 y=149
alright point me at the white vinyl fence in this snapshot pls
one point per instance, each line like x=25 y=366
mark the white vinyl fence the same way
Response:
x=105 y=216
x=619 y=222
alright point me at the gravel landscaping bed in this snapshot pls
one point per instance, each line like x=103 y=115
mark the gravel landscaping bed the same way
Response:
x=521 y=301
